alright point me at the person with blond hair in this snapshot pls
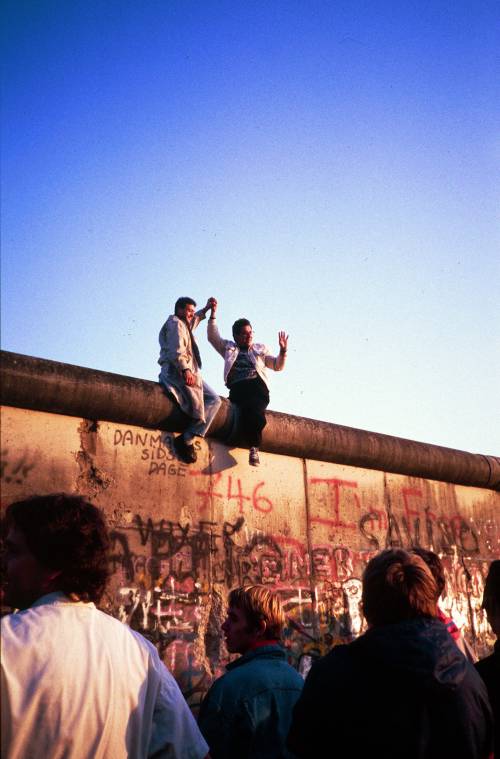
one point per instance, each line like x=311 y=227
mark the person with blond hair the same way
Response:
x=246 y=713
x=403 y=688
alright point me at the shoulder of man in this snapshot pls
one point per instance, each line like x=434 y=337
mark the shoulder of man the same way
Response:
x=170 y=322
x=13 y=624
x=265 y=671
x=335 y=662
x=223 y=695
x=176 y=326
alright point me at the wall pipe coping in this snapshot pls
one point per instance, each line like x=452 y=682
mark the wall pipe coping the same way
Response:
x=55 y=387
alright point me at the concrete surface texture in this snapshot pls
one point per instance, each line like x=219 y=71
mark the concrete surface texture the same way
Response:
x=183 y=536
x=43 y=385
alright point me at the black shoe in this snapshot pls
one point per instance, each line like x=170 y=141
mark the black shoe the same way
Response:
x=184 y=451
x=253 y=457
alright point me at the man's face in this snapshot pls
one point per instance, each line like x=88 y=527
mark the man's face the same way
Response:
x=27 y=579
x=244 y=338
x=186 y=313
x=239 y=637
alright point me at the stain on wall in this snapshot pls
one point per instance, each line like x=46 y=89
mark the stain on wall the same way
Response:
x=183 y=536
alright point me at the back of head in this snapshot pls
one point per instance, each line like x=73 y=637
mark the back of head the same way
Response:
x=183 y=302
x=398 y=586
x=260 y=604
x=435 y=565
x=66 y=534
x=238 y=326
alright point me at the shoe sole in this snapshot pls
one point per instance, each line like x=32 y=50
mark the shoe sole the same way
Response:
x=183 y=454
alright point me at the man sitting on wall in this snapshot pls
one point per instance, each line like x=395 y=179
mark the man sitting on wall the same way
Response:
x=180 y=374
x=245 y=364
x=403 y=689
x=246 y=713
x=75 y=682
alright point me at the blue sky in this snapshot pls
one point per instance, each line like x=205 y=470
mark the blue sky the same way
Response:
x=327 y=168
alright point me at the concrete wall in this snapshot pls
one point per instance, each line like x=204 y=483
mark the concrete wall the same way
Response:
x=183 y=536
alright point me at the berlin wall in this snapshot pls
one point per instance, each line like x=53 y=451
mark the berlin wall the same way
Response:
x=183 y=536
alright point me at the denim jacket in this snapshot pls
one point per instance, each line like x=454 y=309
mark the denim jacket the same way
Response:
x=247 y=712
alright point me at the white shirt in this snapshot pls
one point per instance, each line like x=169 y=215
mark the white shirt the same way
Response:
x=78 y=684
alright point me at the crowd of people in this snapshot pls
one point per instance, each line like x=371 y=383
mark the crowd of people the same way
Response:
x=78 y=684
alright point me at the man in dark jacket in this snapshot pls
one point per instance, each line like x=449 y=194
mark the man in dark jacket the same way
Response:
x=246 y=713
x=403 y=689
x=489 y=668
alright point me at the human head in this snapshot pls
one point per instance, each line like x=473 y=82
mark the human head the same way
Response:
x=184 y=308
x=397 y=586
x=491 y=596
x=54 y=542
x=254 y=614
x=435 y=565
x=242 y=333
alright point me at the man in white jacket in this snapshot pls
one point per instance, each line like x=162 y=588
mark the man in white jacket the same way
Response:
x=180 y=374
x=75 y=682
x=245 y=364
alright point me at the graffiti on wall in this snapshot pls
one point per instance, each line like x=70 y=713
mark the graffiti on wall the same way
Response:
x=171 y=576
x=416 y=524
x=16 y=466
x=166 y=576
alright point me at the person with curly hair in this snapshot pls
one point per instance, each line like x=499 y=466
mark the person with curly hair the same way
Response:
x=75 y=682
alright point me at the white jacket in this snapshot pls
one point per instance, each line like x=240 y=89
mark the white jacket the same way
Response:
x=176 y=355
x=78 y=684
x=259 y=354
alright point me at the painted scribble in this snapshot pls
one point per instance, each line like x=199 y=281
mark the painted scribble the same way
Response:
x=183 y=536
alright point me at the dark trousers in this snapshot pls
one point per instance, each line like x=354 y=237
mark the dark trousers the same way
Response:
x=252 y=398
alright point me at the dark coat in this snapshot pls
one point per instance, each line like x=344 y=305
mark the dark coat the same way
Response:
x=489 y=669
x=402 y=690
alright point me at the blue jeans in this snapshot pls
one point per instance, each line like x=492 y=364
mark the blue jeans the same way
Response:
x=212 y=404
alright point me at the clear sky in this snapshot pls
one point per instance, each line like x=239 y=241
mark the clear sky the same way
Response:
x=330 y=168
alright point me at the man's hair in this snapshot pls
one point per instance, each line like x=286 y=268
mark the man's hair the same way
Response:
x=491 y=595
x=259 y=603
x=435 y=565
x=183 y=302
x=398 y=586
x=68 y=534
x=238 y=326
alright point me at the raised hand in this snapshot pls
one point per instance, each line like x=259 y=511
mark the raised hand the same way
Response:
x=211 y=305
x=283 y=341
